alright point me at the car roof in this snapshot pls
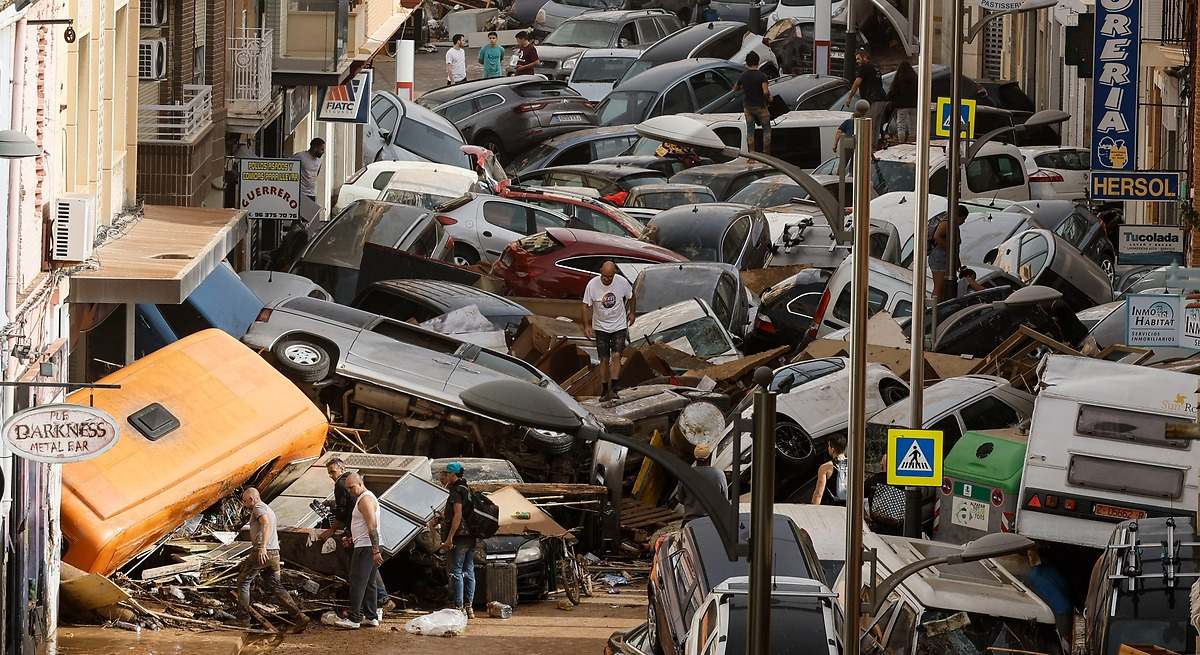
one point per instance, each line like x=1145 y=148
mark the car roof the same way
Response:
x=704 y=214
x=711 y=269
x=667 y=187
x=825 y=525
x=794 y=118
x=611 y=53
x=983 y=587
x=657 y=78
x=681 y=44
x=734 y=167
x=715 y=566
x=907 y=152
x=608 y=171
x=800 y=84
x=450 y=295
x=601 y=242
x=425 y=115
x=617 y=15
x=579 y=136
x=442 y=95
x=940 y=398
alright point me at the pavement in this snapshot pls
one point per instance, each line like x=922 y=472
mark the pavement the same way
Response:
x=429 y=70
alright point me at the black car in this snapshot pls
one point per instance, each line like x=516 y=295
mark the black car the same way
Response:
x=680 y=87
x=1005 y=94
x=799 y=92
x=721 y=39
x=509 y=118
x=574 y=148
x=979 y=329
x=690 y=563
x=1076 y=225
x=714 y=232
x=786 y=310
x=725 y=179
x=792 y=39
x=421 y=300
x=667 y=165
x=773 y=191
x=523 y=550
x=720 y=285
x=613 y=182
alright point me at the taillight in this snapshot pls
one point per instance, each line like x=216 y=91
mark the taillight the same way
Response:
x=997 y=497
x=616 y=198
x=1051 y=501
x=764 y=324
x=264 y=315
x=818 y=316
x=1043 y=175
x=528 y=107
x=445 y=220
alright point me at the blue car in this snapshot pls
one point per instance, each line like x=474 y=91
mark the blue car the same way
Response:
x=221 y=301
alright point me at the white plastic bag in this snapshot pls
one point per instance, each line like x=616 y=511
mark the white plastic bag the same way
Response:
x=442 y=623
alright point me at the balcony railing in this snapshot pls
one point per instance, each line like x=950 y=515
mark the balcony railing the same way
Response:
x=180 y=123
x=250 y=51
x=1177 y=21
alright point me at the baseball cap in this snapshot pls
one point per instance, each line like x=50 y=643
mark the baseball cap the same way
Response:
x=455 y=467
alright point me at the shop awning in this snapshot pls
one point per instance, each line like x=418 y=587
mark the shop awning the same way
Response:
x=162 y=258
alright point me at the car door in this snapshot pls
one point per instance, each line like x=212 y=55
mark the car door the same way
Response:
x=708 y=86
x=733 y=242
x=385 y=120
x=677 y=100
x=997 y=176
x=460 y=114
x=386 y=352
x=702 y=637
x=648 y=31
x=503 y=222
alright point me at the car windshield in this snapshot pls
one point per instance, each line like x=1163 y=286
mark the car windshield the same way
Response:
x=889 y=175
x=601 y=69
x=583 y=33
x=657 y=289
x=625 y=107
x=639 y=66
x=768 y=194
x=702 y=337
x=971 y=633
x=415 y=198
x=431 y=143
x=669 y=199
x=341 y=243
x=685 y=238
x=526 y=161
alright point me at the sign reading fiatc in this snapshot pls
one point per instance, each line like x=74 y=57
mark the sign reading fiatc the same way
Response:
x=60 y=433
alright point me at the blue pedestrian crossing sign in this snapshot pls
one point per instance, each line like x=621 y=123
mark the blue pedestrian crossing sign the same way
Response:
x=914 y=458
x=966 y=120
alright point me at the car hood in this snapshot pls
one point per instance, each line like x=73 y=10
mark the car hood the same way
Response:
x=594 y=91
x=558 y=52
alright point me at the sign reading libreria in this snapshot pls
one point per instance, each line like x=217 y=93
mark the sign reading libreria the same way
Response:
x=1115 y=89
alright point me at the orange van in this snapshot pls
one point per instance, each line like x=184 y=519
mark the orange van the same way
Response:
x=198 y=419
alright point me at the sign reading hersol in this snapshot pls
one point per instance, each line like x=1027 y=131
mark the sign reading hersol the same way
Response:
x=270 y=188
x=60 y=433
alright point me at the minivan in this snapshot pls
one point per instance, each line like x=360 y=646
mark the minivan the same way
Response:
x=889 y=289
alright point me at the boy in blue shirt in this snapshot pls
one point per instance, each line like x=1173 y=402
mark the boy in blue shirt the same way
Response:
x=491 y=56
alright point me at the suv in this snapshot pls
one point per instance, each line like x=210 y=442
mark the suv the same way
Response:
x=803 y=611
x=690 y=564
x=578 y=31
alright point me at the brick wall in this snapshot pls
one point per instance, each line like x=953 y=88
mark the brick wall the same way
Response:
x=172 y=174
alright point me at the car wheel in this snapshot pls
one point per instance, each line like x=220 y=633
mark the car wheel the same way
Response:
x=1110 y=268
x=302 y=359
x=553 y=443
x=492 y=142
x=792 y=442
x=465 y=255
x=892 y=393
x=652 y=626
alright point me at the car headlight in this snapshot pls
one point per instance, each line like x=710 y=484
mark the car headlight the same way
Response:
x=530 y=552
x=569 y=64
x=540 y=17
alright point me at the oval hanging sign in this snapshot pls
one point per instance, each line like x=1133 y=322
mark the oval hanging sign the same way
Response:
x=58 y=434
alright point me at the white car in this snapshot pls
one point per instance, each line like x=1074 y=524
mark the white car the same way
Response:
x=597 y=70
x=1058 y=172
x=690 y=326
x=483 y=225
x=998 y=171
x=424 y=181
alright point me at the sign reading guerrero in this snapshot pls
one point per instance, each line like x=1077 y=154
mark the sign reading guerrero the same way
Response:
x=1149 y=245
x=1115 y=93
x=270 y=188
x=59 y=434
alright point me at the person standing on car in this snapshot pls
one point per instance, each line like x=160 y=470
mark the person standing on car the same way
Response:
x=939 y=249
x=342 y=505
x=608 y=308
x=491 y=56
x=456 y=61
x=903 y=98
x=756 y=101
x=263 y=559
x=868 y=86
x=364 y=559
x=527 y=55
x=457 y=540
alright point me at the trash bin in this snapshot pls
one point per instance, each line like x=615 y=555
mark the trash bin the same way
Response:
x=980 y=486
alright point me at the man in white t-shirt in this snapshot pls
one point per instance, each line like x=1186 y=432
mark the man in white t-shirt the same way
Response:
x=608 y=308
x=456 y=61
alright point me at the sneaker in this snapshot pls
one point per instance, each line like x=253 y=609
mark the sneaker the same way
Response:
x=371 y=623
x=379 y=615
x=470 y=612
x=346 y=623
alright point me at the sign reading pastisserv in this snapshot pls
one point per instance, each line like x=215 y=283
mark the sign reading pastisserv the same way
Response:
x=61 y=433
x=1152 y=319
x=1149 y=245
x=270 y=188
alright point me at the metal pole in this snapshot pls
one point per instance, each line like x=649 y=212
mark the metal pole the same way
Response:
x=856 y=446
x=949 y=287
x=762 y=511
x=851 y=45
x=916 y=373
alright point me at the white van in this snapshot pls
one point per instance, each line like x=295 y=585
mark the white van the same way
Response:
x=998 y=171
x=889 y=289
x=1098 y=452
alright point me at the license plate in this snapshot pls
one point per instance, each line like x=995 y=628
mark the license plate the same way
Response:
x=970 y=513
x=568 y=118
x=1122 y=513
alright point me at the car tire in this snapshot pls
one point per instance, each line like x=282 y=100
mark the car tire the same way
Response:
x=492 y=142
x=464 y=255
x=652 y=626
x=302 y=359
x=1109 y=266
x=792 y=443
x=552 y=443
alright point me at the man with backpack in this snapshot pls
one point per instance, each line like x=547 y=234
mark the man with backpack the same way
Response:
x=458 y=541
x=939 y=250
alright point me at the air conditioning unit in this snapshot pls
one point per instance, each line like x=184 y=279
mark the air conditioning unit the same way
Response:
x=153 y=13
x=152 y=59
x=73 y=228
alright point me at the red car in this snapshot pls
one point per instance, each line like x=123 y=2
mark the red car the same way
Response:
x=559 y=262
x=585 y=213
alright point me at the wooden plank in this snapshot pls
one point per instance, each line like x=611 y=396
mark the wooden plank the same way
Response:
x=172 y=569
x=546 y=488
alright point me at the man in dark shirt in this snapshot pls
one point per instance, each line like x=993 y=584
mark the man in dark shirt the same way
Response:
x=527 y=55
x=868 y=86
x=343 y=507
x=457 y=539
x=756 y=97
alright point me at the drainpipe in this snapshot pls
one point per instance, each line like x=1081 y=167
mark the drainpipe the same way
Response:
x=12 y=227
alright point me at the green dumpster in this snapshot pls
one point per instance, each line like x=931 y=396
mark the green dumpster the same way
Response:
x=980 y=486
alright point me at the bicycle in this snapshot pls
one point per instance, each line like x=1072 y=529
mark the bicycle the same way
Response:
x=566 y=568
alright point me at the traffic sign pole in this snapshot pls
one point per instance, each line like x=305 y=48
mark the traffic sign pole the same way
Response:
x=949 y=287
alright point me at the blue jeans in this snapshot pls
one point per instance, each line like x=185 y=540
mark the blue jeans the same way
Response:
x=462 y=572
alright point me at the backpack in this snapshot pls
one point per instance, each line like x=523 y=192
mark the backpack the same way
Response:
x=481 y=515
x=932 y=228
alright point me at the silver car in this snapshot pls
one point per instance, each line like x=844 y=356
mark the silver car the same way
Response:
x=483 y=225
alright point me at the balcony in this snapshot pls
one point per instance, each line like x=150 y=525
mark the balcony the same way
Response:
x=179 y=124
x=250 y=57
x=320 y=42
